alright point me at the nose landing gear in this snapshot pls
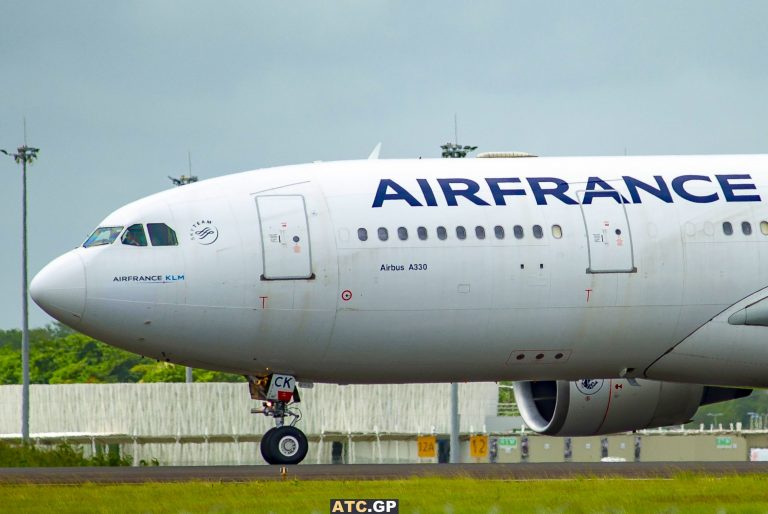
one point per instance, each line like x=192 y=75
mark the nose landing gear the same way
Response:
x=282 y=444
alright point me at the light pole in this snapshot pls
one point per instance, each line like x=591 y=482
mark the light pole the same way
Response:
x=183 y=180
x=455 y=151
x=715 y=415
x=752 y=417
x=24 y=154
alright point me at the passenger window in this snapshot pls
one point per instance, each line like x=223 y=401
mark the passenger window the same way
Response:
x=727 y=228
x=461 y=232
x=422 y=232
x=442 y=234
x=538 y=233
x=161 y=234
x=134 y=236
x=102 y=236
x=746 y=228
x=480 y=232
x=362 y=234
x=498 y=231
x=402 y=233
x=764 y=227
x=557 y=231
x=518 y=231
x=383 y=234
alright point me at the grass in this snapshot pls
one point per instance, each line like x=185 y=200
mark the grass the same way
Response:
x=62 y=455
x=684 y=494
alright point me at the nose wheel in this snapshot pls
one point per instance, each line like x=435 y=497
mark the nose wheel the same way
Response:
x=284 y=445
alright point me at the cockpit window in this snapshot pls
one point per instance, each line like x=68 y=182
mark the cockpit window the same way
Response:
x=162 y=235
x=134 y=236
x=103 y=236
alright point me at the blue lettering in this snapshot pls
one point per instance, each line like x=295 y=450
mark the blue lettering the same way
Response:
x=661 y=191
x=733 y=186
x=729 y=188
x=499 y=193
x=608 y=191
x=399 y=193
x=470 y=192
x=426 y=189
x=558 y=191
x=679 y=182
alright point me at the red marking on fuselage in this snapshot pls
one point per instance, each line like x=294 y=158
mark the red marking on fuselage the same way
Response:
x=607 y=407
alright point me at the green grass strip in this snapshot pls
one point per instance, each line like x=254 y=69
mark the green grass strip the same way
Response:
x=684 y=494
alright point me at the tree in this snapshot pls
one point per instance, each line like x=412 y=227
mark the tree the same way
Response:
x=167 y=372
x=60 y=355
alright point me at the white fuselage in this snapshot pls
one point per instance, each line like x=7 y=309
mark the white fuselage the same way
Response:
x=623 y=268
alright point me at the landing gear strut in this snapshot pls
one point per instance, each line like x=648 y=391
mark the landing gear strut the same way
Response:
x=282 y=444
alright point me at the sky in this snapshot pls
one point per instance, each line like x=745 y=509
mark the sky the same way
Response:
x=115 y=94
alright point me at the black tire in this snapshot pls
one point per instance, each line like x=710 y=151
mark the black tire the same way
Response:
x=266 y=446
x=287 y=445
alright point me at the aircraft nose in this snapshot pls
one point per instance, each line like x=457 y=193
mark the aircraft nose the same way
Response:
x=59 y=288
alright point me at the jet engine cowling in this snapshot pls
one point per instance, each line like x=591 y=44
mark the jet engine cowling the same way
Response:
x=606 y=406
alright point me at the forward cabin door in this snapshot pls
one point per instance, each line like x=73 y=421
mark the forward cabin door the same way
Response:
x=284 y=237
x=609 y=239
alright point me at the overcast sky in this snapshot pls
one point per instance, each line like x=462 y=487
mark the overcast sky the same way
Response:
x=116 y=93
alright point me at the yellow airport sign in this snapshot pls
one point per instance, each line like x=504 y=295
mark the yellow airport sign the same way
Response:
x=427 y=446
x=478 y=446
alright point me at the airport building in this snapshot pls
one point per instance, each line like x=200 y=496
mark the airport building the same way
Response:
x=209 y=424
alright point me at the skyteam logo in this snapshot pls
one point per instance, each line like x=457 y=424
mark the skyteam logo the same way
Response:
x=204 y=232
x=589 y=386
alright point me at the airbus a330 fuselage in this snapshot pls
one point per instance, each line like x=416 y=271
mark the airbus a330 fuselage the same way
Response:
x=387 y=271
x=441 y=270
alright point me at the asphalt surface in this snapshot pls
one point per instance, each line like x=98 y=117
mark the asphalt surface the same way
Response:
x=130 y=475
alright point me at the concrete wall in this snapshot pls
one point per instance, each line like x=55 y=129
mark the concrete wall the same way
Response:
x=361 y=449
x=654 y=446
x=199 y=409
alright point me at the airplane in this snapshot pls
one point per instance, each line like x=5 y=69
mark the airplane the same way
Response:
x=647 y=274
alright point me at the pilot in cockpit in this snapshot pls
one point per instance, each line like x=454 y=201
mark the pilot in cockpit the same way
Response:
x=134 y=236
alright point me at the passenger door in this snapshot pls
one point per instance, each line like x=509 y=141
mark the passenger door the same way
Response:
x=609 y=239
x=284 y=237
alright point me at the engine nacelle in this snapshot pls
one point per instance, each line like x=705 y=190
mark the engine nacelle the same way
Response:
x=597 y=406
